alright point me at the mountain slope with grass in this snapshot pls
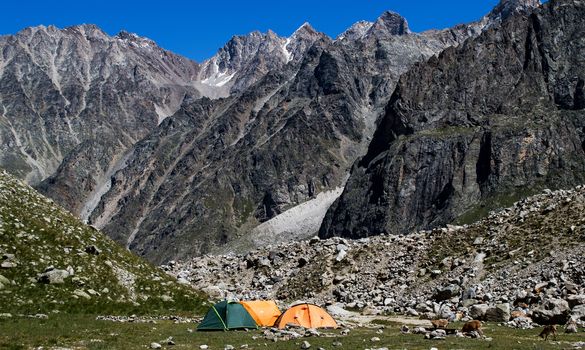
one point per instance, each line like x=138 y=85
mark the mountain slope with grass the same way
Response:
x=50 y=261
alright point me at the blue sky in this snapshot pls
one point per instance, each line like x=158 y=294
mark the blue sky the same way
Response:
x=197 y=29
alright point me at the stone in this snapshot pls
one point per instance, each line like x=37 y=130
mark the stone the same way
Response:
x=539 y=287
x=552 y=311
x=4 y=280
x=437 y=334
x=419 y=330
x=573 y=300
x=53 y=276
x=498 y=313
x=182 y=280
x=447 y=292
x=375 y=339
x=571 y=328
x=411 y=312
x=469 y=302
x=478 y=311
x=228 y=347
x=93 y=250
x=578 y=312
x=7 y=264
x=154 y=345
x=305 y=345
x=204 y=347
x=80 y=293
x=478 y=241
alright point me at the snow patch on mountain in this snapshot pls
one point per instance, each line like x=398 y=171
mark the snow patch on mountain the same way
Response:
x=103 y=188
x=287 y=53
x=297 y=223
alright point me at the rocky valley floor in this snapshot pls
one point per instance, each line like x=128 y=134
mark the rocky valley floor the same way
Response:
x=524 y=264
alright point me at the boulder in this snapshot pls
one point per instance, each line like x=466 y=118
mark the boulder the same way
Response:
x=80 y=293
x=571 y=328
x=552 y=311
x=437 y=334
x=478 y=311
x=498 y=313
x=447 y=292
x=53 y=276
x=341 y=255
x=573 y=300
x=578 y=312
x=7 y=264
x=4 y=280
x=93 y=250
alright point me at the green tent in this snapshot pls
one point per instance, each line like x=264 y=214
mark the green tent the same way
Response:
x=227 y=315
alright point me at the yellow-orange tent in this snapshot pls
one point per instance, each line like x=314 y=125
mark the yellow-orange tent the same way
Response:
x=264 y=312
x=306 y=315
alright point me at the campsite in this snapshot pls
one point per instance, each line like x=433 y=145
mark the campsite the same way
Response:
x=362 y=175
x=85 y=332
x=257 y=324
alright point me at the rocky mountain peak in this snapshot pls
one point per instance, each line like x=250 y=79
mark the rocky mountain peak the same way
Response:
x=305 y=31
x=357 y=31
x=135 y=40
x=506 y=8
x=390 y=23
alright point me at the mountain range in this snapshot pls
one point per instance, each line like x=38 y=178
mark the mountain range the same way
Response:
x=175 y=158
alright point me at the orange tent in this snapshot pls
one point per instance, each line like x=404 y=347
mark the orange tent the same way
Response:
x=264 y=312
x=306 y=315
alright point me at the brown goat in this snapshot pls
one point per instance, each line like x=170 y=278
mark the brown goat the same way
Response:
x=471 y=326
x=548 y=330
x=442 y=323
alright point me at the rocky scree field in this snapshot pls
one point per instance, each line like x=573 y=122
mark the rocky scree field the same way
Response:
x=523 y=264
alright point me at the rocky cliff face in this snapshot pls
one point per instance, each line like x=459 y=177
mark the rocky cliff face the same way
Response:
x=73 y=100
x=217 y=169
x=478 y=126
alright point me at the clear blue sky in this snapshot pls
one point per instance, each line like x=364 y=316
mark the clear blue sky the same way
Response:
x=197 y=29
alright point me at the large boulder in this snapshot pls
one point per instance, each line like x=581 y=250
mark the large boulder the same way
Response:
x=478 y=311
x=578 y=312
x=576 y=299
x=447 y=292
x=53 y=276
x=498 y=313
x=552 y=311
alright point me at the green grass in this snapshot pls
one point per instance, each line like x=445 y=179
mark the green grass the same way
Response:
x=84 y=332
x=41 y=234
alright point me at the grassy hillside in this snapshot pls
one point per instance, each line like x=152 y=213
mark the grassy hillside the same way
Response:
x=84 y=271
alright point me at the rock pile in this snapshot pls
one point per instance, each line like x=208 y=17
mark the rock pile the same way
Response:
x=525 y=263
x=148 y=319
